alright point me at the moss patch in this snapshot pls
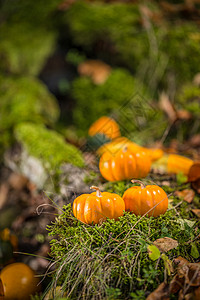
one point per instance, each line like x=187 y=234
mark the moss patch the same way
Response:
x=48 y=146
x=110 y=261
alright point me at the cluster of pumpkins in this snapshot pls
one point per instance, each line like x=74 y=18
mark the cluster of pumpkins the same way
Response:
x=122 y=159
x=141 y=200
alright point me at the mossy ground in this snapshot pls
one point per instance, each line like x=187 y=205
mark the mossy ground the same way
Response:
x=110 y=261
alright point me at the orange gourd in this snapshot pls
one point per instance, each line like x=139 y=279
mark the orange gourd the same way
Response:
x=97 y=206
x=19 y=282
x=177 y=164
x=141 y=200
x=125 y=164
x=121 y=142
x=106 y=126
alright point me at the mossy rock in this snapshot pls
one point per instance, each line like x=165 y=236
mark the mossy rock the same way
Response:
x=26 y=99
x=95 y=262
x=43 y=153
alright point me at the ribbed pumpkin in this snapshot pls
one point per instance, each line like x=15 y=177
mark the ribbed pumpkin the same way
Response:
x=125 y=164
x=150 y=199
x=97 y=206
x=121 y=142
x=106 y=126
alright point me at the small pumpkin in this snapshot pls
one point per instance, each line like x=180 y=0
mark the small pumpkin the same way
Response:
x=141 y=200
x=121 y=142
x=19 y=281
x=106 y=126
x=124 y=164
x=97 y=206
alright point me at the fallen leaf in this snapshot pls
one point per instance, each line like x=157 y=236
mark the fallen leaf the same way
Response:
x=196 y=212
x=187 y=195
x=176 y=284
x=161 y=293
x=166 y=105
x=97 y=70
x=165 y=244
x=154 y=252
x=189 y=271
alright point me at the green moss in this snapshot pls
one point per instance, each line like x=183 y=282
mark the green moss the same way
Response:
x=18 y=51
x=189 y=98
x=48 y=146
x=93 y=260
x=27 y=37
x=26 y=99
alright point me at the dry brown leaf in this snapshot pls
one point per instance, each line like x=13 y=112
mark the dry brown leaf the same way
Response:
x=176 y=284
x=165 y=244
x=97 y=70
x=167 y=107
x=161 y=293
x=187 y=195
x=189 y=271
x=196 y=212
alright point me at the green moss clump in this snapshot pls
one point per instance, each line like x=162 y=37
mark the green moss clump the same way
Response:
x=48 y=146
x=27 y=35
x=18 y=51
x=26 y=99
x=93 y=260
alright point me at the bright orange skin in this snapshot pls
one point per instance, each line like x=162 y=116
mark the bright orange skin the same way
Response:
x=19 y=281
x=106 y=126
x=140 y=200
x=89 y=208
x=125 y=164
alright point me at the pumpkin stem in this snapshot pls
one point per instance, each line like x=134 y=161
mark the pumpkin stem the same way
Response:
x=98 y=194
x=140 y=182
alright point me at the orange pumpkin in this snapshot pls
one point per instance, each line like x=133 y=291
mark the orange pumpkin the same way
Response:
x=19 y=281
x=141 y=200
x=125 y=164
x=97 y=206
x=106 y=126
x=121 y=142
